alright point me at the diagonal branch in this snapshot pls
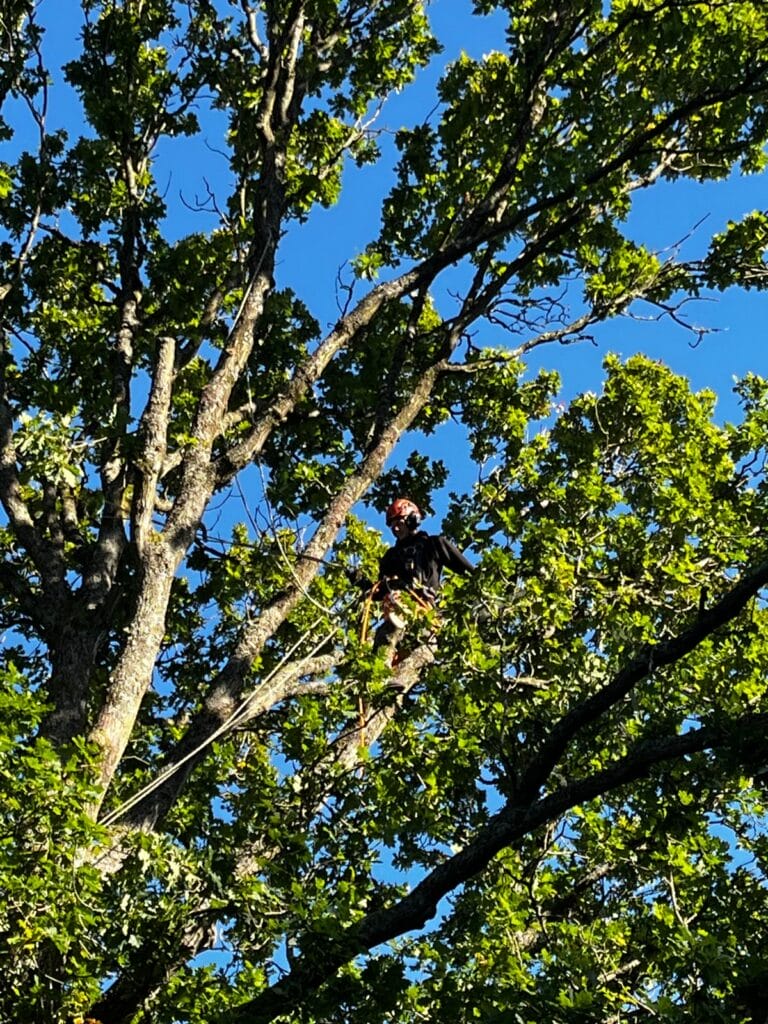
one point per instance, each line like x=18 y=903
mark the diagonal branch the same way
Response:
x=323 y=958
x=280 y=685
x=310 y=371
x=647 y=660
x=153 y=431
x=228 y=687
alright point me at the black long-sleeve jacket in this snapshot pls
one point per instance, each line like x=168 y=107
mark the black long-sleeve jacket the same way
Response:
x=416 y=562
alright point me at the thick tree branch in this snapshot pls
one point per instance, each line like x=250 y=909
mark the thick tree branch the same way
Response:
x=650 y=658
x=136 y=986
x=516 y=820
x=133 y=672
x=227 y=689
x=138 y=983
x=153 y=431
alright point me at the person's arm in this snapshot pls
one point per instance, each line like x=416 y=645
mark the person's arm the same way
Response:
x=451 y=558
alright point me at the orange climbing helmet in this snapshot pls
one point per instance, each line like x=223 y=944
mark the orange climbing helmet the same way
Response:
x=405 y=508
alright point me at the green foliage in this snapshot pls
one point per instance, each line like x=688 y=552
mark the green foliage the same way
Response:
x=52 y=905
x=739 y=253
x=215 y=804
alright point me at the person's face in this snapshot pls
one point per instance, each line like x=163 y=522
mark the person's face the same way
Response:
x=399 y=527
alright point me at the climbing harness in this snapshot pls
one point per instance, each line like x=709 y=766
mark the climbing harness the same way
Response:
x=400 y=606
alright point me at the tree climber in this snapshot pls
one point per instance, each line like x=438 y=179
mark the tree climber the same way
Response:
x=409 y=572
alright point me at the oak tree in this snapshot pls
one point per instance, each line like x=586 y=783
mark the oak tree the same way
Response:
x=215 y=807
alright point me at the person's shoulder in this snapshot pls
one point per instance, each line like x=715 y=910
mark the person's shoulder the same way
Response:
x=422 y=537
x=449 y=548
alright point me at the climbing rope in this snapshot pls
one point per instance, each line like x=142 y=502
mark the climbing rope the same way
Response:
x=234 y=719
x=362 y=711
x=366 y=617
